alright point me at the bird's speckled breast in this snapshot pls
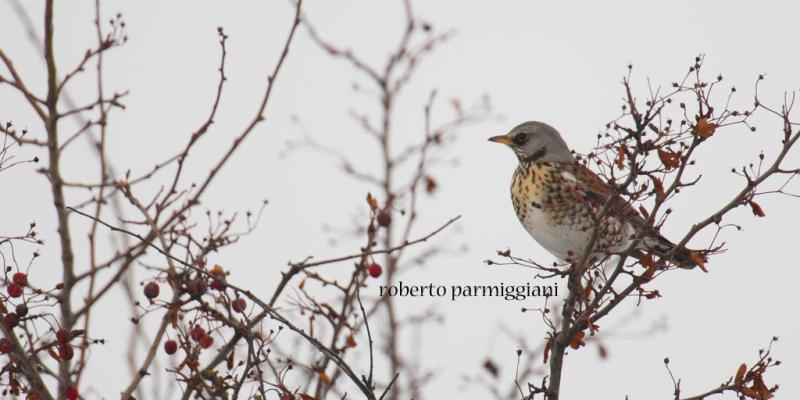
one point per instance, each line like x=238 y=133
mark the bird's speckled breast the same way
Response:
x=545 y=188
x=551 y=205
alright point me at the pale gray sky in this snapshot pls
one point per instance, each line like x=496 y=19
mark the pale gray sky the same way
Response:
x=552 y=61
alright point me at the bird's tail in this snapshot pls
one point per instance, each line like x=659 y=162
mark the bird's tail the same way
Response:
x=682 y=257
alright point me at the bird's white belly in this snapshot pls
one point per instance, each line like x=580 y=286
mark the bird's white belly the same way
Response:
x=563 y=241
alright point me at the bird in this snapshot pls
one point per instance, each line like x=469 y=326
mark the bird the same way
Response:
x=559 y=201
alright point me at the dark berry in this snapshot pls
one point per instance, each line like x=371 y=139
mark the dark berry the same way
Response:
x=15 y=290
x=11 y=320
x=384 y=219
x=170 y=346
x=66 y=352
x=239 y=305
x=218 y=284
x=62 y=336
x=21 y=309
x=206 y=341
x=20 y=278
x=5 y=345
x=197 y=332
x=151 y=290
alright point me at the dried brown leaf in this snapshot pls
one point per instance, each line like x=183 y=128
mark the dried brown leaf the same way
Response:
x=373 y=203
x=698 y=259
x=587 y=291
x=577 y=340
x=593 y=328
x=670 y=159
x=621 y=157
x=652 y=295
x=757 y=210
x=761 y=388
x=547 y=347
x=651 y=265
x=217 y=270
x=740 y=374
x=53 y=354
x=704 y=129
x=659 y=187
x=749 y=392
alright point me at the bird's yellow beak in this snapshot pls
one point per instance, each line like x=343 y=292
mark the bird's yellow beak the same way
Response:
x=500 y=139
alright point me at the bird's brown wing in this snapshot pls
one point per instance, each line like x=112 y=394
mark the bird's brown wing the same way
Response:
x=598 y=192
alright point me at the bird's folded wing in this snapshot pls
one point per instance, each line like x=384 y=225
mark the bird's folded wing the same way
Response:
x=598 y=193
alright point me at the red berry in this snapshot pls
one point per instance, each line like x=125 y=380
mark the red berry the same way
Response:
x=11 y=320
x=170 y=346
x=239 y=305
x=206 y=341
x=66 y=352
x=5 y=345
x=151 y=290
x=71 y=393
x=21 y=309
x=374 y=270
x=20 y=278
x=15 y=290
x=62 y=336
x=218 y=284
x=197 y=332
x=384 y=219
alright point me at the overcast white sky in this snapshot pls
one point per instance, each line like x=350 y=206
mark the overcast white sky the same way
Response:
x=557 y=62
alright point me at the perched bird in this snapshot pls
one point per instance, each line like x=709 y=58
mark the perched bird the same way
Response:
x=559 y=202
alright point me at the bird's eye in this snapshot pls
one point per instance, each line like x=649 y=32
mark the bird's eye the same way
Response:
x=521 y=138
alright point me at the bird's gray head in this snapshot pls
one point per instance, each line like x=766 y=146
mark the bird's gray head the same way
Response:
x=536 y=142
